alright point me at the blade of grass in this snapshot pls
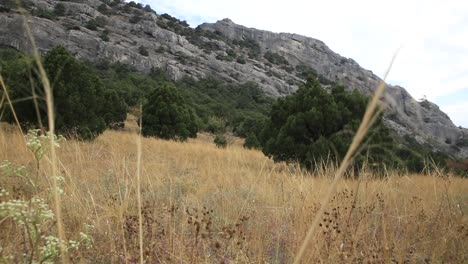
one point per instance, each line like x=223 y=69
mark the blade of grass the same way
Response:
x=140 y=220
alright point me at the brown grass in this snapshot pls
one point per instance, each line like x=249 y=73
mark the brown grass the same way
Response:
x=201 y=204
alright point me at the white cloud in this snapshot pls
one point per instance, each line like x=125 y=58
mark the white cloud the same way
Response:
x=433 y=35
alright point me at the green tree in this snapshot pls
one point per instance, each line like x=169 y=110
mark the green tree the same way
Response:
x=17 y=72
x=113 y=109
x=148 y=8
x=133 y=4
x=75 y=89
x=167 y=116
x=314 y=125
x=81 y=106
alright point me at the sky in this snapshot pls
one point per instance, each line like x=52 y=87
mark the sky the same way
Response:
x=431 y=36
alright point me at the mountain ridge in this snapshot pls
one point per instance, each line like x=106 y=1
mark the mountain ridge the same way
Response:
x=278 y=62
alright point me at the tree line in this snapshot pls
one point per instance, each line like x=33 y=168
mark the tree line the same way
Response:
x=311 y=127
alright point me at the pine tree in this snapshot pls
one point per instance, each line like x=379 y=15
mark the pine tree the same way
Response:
x=166 y=115
x=314 y=125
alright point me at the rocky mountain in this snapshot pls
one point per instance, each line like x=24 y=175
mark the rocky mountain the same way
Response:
x=130 y=33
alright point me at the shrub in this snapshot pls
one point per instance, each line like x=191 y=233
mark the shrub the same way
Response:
x=160 y=49
x=133 y=4
x=105 y=35
x=45 y=13
x=252 y=142
x=220 y=141
x=166 y=115
x=275 y=58
x=115 y=2
x=148 y=8
x=59 y=9
x=103 y=9
x=253 y=47
x=91 y=25
x=215 y=125
x=241 y=60
x=100 y=21
x=462 y=142
x=143 y=51
x=5 y=9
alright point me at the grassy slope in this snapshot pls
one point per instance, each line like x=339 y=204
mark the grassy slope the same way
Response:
x=260 y=211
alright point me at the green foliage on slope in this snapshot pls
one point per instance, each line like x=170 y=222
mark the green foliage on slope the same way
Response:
x=309 y=126
x=314 y=126
x=82 y=104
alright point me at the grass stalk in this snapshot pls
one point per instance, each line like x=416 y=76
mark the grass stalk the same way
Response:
x=140 y=218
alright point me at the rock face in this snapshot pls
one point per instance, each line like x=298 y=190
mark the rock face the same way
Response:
x=277 y=62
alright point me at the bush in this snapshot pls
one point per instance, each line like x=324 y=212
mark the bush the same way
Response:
x=103 y=9
x=91 y=25
x=148 y=8
x=45 y=13
x=143 y=51
x=215 y=125
x=100 y=21
x=220 y=141
x=160 y=49
x=252 y=142
x=275 y=58
x=314 y=125
x=59 y=9
x=133 y=4
x=105 y=35
x=166 y=115
x=5 y=9
x=241 y=60
x=253 y=47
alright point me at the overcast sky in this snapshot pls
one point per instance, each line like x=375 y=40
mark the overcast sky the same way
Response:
x=433 y=36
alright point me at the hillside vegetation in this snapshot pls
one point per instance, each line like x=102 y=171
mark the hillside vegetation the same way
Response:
x=314 y=124
x=101 y=163
x=202 y=204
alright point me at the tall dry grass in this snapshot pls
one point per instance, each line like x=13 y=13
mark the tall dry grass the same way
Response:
x=201 y=204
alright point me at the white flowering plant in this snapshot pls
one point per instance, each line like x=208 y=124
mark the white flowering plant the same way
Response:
x=32 y=218
x=36 y=220
x=39 y=144
x=10 y=170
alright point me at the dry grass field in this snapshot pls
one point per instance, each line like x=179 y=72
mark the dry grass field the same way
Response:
x=202 y=204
